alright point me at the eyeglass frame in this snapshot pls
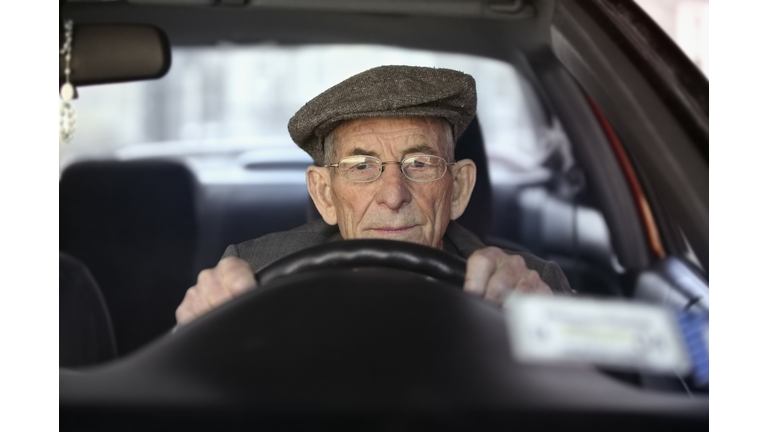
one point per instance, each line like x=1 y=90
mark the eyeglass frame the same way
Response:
x=447 y=164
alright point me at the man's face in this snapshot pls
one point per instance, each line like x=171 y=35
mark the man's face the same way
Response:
x=392 y=206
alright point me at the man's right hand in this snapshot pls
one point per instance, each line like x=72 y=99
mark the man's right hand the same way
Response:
x=231 y=277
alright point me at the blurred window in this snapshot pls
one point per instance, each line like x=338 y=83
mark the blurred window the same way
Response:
x=687 y=23
x=222 y=106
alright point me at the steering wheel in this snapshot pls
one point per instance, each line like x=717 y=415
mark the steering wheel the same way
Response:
x=333 y=334
x=345 y=322
x=352 y=254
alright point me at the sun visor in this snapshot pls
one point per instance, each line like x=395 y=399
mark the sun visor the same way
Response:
x=112 y=53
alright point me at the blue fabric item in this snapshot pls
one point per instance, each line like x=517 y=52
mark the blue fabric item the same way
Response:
x=695 y=331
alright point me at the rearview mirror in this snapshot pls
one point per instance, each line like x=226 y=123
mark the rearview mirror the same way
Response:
x=112 y=53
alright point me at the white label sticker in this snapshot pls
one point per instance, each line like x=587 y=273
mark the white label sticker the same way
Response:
x=609 y=333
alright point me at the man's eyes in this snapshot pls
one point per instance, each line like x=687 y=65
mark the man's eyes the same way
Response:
x=363 y=166
x=423 y=162
x=355 y=163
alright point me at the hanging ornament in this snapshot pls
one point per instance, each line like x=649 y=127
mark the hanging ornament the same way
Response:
x=67 y=91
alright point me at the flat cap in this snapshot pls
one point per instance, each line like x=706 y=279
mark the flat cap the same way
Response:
x=386 y=91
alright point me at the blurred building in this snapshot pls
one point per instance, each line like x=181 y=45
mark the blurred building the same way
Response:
x=687 y=22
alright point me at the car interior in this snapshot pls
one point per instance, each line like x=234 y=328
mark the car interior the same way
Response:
x=564 y=172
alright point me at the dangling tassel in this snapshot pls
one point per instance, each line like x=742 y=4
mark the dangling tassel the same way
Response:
x=67 y=92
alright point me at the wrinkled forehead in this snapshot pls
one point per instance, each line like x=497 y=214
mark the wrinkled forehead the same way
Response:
x=408 y=134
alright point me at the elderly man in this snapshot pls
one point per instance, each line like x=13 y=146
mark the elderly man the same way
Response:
x=383 y=142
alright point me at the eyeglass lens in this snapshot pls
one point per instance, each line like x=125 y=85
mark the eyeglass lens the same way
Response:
x=368 y=168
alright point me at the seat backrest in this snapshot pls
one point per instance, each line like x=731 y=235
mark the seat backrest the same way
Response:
x=85 y=328
x=479 y=213
x=234 y=213
x=133 y=224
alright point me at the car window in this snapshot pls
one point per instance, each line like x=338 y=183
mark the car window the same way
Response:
x=687 y=23
x=222 y=108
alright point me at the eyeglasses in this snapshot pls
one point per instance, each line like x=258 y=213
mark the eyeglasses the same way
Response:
x=418 y=168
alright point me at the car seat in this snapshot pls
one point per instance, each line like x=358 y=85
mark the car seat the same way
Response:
x=85 y=328
x=133 y=224
x=478 y=215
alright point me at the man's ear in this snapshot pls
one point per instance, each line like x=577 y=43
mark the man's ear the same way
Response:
x=464 y=176
x=319 y=186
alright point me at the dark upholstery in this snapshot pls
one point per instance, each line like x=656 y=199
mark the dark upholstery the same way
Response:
x=85 y=329
x=232 y=214
x=133 y=225
x=478 y=215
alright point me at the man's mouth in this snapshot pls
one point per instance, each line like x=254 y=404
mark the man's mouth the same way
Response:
x=392 y=231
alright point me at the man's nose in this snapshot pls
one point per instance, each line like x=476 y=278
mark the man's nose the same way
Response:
x=393 y=188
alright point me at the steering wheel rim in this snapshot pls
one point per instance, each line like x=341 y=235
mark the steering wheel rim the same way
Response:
x=350 y=254
x=331 y=342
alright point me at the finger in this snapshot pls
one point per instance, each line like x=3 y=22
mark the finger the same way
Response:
x=235 y=276
x=198 y=302
x=533 y=284
x=184 y=312
x=513 y=276
x=507 y=275
x=210 y=289
x=215 y=294
x=480 y=266
x=191 y=307
x=498 y=287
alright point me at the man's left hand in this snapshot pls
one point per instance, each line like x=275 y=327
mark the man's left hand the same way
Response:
x=493 y=274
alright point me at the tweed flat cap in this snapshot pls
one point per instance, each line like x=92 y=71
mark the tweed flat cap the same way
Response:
x=386 y=91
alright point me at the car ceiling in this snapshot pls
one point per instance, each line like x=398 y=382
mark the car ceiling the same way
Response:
x=467 y=26
x=478 y=27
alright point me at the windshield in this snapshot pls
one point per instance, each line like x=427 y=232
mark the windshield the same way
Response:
x=226 y=107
